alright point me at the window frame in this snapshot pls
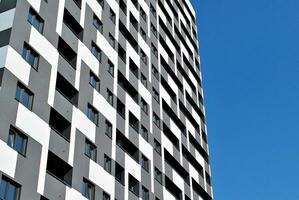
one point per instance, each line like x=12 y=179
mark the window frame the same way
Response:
x=144 y=106
x=143 y=80
x=157 y=146
x=144 y=191
x=96 y=51
x=27 y=53
x=107 y=164
x=17 y=134
x=7 y=182
x=144 y=133
x=22 y=90
x=97 y=23
x=97 y=83
x=110 y=97
x=89 y=186
x=112 y=16
x=34 y=17
x=92 y=150
x=145 y=163
x=110 y=68
x=158 y=175
x=108 y=128
x=112 y=40
x=95 y=114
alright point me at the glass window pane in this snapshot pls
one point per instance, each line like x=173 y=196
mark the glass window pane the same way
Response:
x=30 y=59
x=11 y=137
x=30 y=17
x=90 y=192
x=19 y=144
x=24 y=53
x=36 y=23
x=2 y=188
x=11 y=192
x=84 y=188
x=18 y=93
x=25 y=99
x=87 y=149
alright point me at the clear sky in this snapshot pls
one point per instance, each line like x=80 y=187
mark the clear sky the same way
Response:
x=250 y=63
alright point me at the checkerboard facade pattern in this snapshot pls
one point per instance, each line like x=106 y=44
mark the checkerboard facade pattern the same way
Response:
x=101 y=99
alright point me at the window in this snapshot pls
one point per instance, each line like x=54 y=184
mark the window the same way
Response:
x=92 y=114
x=123 y=6
x=110 y=68
x=106 y=196
x=144 y=163
x=158 y=175
x=24 y=96
x=30 y=56
x=157 y=146
x=143 y=34
x=96 y=51
x=156 y=95
x=153 y=10
x=88 y=189
x=101 y=2
x=67 y=52
x=59 y=124
x=134 y=122
x=90 y=150
x=144 y=133
x=154 y=30
x=119 y=173
x=97 y=23
x=143 y=56
x=145 y=194
x=133 y=68
x=65 y=88
x=94 y=81
x=17 y=140
x=135 y=3
x=72 y=24
x=143 y=14
x=122 y=53
x=154 y=50
x=204 y=136
x=111 y=40
x=144 y=106
x=121 y=109
x=155 y=72
x=143 y=80
x=208 y=179
x=127 y=146
x=134 y=21
x=107 y=163
x=108 y=130
x=59 y=169
x=35 y=20
x=110 y=97
x=112 y=16
x=156 y=120
x=133 y=185
x=78 y=3
x=9 y=190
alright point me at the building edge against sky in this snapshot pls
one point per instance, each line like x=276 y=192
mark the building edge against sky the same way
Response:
x=101 y=99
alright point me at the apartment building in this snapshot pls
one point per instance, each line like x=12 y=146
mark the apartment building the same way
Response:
x=101 y=100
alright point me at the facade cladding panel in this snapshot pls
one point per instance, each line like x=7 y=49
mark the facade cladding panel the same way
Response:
x=101 y=99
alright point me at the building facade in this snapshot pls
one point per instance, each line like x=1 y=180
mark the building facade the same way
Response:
x=101 y=100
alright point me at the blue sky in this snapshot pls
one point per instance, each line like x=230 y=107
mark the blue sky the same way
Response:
x=250 y=63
